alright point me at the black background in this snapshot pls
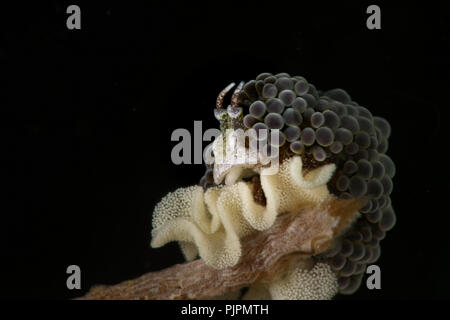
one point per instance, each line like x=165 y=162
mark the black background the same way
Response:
x=87 y=115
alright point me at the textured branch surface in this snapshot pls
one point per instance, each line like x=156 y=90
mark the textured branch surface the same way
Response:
x=265 y=255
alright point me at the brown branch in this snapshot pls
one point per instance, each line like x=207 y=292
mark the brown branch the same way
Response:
x=264 y=255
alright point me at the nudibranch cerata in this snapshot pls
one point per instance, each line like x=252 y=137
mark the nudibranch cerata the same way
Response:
x=328 y=146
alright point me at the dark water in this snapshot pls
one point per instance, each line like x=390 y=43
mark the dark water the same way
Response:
x=87 y=116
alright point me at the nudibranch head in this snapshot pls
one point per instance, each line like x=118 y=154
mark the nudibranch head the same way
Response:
x=327 y=146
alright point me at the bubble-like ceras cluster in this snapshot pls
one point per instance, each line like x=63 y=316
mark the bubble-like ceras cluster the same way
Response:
x=325 y=127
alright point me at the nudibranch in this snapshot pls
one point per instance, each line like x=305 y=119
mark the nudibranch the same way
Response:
x=328 y=147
